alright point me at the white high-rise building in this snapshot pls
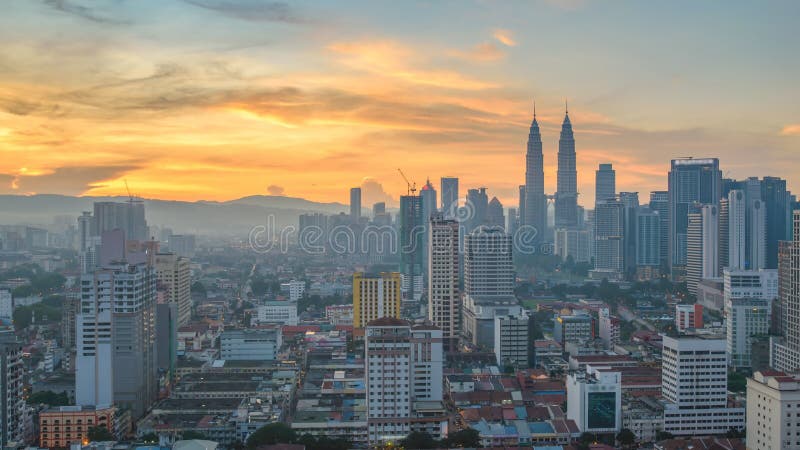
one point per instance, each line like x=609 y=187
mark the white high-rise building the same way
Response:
x=116 y=358
x=745 y=318
x=404 y=376
x=12 y=400
x=747 y=227
x=702 y=246
x=6 y=306
x=444 y=295
x=609 y=239
x=608 y=326
x=694 y=383
x=737 y=230
x=772 y=411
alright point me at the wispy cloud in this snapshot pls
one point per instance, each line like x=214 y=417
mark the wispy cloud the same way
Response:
x=72 y=180
x=485 y=52
x=74 y=8
x=791 y=130
x=252 y=10
x=506 y=37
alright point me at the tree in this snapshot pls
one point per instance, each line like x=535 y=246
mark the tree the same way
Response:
x=198 y=288
x=149 y=437
x=626 y=438
x=49 y=398
x=100 y=434
x=191 y=434
x=418 y=440
x=733 y=433
x=468 y=438
x=737 y=382
x=664 y=435
x=273 y=433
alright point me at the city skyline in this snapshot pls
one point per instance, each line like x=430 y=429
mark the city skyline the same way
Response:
x=307 y=100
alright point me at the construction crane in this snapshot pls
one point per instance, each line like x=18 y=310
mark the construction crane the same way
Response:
x=131 y=198
x=412 y=187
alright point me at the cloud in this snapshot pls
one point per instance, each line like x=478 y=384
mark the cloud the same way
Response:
x=372 y=192
x=74 y=8
x=506 y=37
x=252 y=10
x=74 y=180
x=484 y=52
x=275 y=190
x=791 y=130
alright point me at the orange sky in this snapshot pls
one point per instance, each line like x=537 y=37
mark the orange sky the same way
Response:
x=304 y=105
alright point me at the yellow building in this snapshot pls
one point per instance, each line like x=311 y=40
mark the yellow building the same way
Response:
x=375 y=296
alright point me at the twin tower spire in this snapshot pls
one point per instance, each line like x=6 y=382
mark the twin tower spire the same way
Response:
x=533 y=200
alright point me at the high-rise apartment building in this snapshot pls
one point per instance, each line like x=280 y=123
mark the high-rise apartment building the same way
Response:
x=647 y=242
x=533 y=203
x=567 y=179
x=745 y=319
x=785 y=351
x=605 y=183
x=174 y=278
x=412 y=239
x=772 y=419
x=375 y=296
x=691 y=181
x=128 y=217
x=444 y=295
x=573 y=243
x=694 y=383
x=404 y=380
x=116 y=359
x=355 y=204
x=609 y=234
x=659 y=202
x=12 y=398
x=702 y=245
x=449 y=187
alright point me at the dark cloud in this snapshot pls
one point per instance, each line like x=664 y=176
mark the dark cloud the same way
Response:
x=275 y=190
x=73 y=180
x=73 y=8
x=252 y=10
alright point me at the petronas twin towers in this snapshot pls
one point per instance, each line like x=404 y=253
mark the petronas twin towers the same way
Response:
x=534 y=199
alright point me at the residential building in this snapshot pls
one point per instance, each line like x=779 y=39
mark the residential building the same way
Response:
x=647 y=243
x=574 y=243
x=6 y=307
x=12 y=396
x=412 y=238
x=608 y=328
x=375 y=296
x=694 y=384
x=116 y=357
x=512 y=341
x=444 y=269
x=260 y=344
x=576 y=327
x=182 y=245
x=659 y=202
x=785 y=353
x=773 y=414
x=746 y=319
x=404 y=379
x=609 y=231
x=175 y=278
x=295 y=289
x=128 y=217
x=702 y=245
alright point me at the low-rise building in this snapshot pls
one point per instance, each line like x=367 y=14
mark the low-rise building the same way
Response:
x=61 y=426
x=250 y=344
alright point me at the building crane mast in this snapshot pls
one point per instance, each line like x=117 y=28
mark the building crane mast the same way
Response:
x=412 y=187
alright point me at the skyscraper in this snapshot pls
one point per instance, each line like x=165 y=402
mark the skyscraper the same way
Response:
x=355 y=204
x=785 y=351
x=175 y=279
x=477 y=204
x=375 y=296
x=690 y=181
x=609 y=235
x=128 y=217
x=116 y=359
x=702 y=245
x=449 y=196
x=533 y=203
x=444 y=304
x=779 y=219
x=647 y=242
x=412 y=238
x=12 y=399
x=630 y=201
x=429 y=207
x=659 y=202
x=494 y=214
x=567 y=178
x=605 y=184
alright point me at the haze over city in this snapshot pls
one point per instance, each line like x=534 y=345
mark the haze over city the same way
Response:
x=212 y=99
